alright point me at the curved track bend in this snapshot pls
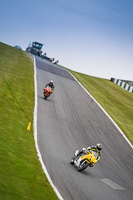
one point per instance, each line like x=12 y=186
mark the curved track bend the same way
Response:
x=70 y=120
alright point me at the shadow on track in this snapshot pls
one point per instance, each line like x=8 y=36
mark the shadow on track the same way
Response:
x=84 y=173
x=48 y=100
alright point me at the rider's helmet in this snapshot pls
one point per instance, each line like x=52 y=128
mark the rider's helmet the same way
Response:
x=99 y=147
x=51 y=83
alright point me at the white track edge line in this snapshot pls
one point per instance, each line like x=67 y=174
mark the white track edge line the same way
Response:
x=103 y=110
x=35 y=136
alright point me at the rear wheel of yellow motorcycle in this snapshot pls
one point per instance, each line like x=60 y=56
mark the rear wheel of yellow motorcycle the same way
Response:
x=72 y=161
x=83 y=165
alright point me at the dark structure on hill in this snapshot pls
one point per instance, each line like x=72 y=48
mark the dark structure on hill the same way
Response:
x=35 y=48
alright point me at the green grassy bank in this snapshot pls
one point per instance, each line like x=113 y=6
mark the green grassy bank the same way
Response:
x=116 y=101
x=21 y=175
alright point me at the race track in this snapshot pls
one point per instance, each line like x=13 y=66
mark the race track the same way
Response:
x=70 y=119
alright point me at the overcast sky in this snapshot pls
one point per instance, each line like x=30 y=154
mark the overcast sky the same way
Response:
x=94 y=37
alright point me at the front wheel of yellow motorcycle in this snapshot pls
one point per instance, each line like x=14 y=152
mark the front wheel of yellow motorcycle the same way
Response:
x=83 y=165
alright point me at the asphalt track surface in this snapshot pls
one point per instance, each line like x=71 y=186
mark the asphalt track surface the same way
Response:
x=70 y=119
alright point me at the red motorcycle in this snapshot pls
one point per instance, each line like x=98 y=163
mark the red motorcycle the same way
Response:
x=47 y=92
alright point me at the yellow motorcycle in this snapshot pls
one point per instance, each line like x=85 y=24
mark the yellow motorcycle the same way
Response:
x=81 y=162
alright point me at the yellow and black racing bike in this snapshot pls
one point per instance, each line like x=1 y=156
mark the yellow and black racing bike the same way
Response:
x=86 y=159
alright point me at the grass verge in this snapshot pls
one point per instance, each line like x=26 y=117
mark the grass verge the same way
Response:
x=21 y=174
x=117 y=102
